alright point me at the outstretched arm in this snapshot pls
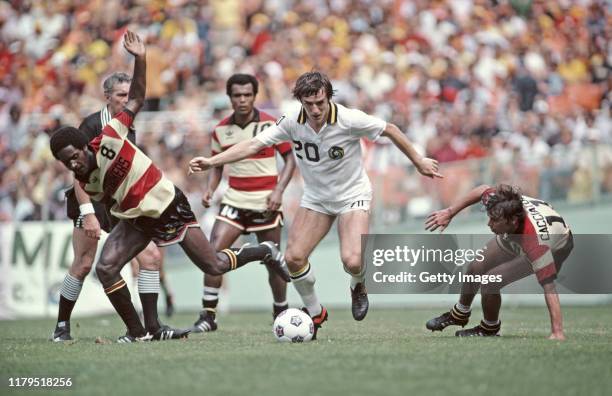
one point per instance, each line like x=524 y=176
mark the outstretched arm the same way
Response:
x=442 y=218
x=135 y=46
x=235 y=153
x=554 y=310
x=426 y=166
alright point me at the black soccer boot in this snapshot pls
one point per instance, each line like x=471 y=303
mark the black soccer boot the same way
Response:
x=61 y=332
x=168 y=333
x=454 y=317
x=482 y=330
x=276 y=310
x=128 y=338
x=276 y=261
x=205 y=323
x=360 y=303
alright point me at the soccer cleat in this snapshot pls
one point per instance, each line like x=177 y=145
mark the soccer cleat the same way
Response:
x=205 y=323
x=169 y=305
x=128 y=338
x=276 y=261
x=360 y=304
x=61 y=332
x=168 y=333
x=317 y=320
x=482 y=330
x=454 y=317
x=276 y=310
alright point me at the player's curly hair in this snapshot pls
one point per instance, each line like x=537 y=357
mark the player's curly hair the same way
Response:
x=310 y=83
x=241 y=79
x=66 y=136
x=505 y=202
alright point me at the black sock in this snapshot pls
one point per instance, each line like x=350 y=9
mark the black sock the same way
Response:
x=65 y=309
x=69 y=293
x=149 y=311
x=119 y=296
x=242 y=256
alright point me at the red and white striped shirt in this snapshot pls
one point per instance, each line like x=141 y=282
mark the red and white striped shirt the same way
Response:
x=543 y=232
x=252 y=179
x=125 y=174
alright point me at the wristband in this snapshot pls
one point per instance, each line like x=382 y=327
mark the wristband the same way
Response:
x=86 y=209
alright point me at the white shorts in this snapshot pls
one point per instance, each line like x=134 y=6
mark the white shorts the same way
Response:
x=336 y=208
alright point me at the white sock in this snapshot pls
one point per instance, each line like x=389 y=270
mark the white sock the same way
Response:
x=463 y=308
x=71 y=288
x=357 y=279
x=489 y=323
x=148 y=281
x=304 y=281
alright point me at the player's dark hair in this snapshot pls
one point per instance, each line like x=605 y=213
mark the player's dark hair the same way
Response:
x=310 y=83
x=505 y=202
x=115 y=78
x=241 y=79
x=66 y=136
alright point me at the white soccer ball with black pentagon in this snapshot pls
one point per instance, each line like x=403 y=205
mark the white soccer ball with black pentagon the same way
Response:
x=293 y=325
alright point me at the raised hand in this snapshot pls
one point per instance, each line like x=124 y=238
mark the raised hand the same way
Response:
x=133 y=44
x=429 y=167
x=438 y=219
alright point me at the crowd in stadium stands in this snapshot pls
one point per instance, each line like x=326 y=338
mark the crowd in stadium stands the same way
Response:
x=518 y=80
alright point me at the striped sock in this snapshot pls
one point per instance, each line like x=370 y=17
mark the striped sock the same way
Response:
x=119 y=295
x=304 y=281
x=463 y=308
x=69 y=293
x=148 y=289
x=244 y=255
x=210 y=299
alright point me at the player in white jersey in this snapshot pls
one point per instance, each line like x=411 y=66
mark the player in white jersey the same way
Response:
x=327 y=148
x=531 y=237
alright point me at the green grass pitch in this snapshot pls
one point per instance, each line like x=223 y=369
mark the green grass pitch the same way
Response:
x=390 y=353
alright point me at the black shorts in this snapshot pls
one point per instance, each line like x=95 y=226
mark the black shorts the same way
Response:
x=171 y=226
x=107 y=222
x=248 y=221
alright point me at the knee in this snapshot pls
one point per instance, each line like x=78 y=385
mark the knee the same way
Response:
x=352 y=263
x=81 y=267
x=475 y=268
x=150 y=258
x=81 y=271
x=219 y=266
x=295 y=260
x=106 y=269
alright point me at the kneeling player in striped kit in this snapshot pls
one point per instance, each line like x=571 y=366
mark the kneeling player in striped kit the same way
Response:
x=530 y=238
x=149 y=207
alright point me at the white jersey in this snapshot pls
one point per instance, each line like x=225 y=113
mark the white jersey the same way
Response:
x=330 y=160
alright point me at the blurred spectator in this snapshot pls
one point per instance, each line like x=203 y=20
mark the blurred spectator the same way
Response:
x=511 y=81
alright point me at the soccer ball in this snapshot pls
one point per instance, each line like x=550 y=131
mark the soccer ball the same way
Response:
x=293 y=325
